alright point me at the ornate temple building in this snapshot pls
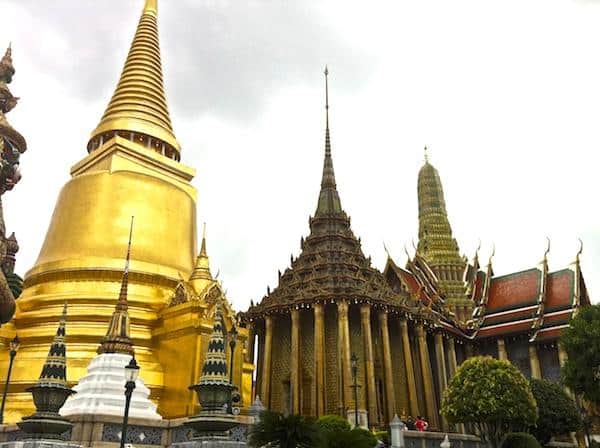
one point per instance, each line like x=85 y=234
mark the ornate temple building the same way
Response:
x=403 y=331
x=132 y=168
x=409 y=328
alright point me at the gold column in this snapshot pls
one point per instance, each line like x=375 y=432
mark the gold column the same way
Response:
x=387 y=365
x=452 y=364
x=432 y=414
x=295 y=362
x=536 y=371
x=562 y=359
x=502 y=355
x=344 y=339
x=250 y=345
x=452 y=367
x=318 y=404
x=365 y=314
x=266 y=369
x=410 y=371
x=441 y=371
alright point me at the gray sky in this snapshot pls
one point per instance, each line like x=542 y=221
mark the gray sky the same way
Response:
x=504 y=93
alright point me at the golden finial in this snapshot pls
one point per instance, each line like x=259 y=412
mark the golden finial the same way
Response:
x=203 y=246
x=580 y=251
x=547 y=248
x=387 y=251
x=326 y=72
x=406 y=252
x=426 y=155
x=129 y=246
x=151 y=7
x=492 y=254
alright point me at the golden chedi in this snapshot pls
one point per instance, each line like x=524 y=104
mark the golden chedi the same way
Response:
x=132 y=168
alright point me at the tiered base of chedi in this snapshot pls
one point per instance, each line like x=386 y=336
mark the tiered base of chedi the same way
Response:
x=100 y=392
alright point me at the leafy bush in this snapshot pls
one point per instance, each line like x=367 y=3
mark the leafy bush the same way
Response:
x=356 y=438
x=279 y=431
x=330 y=423
x=491 y=394
x=520 y=440
x=558 y=414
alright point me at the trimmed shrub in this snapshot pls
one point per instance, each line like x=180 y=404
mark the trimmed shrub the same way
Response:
x=520 y=440
x=330 y=423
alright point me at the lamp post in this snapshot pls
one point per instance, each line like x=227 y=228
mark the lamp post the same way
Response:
x=232 y=336
x=232 y=341
x=14 y=347
x=132 y=370
x=354 y=364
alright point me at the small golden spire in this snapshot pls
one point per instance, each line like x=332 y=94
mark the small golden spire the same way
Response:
x=426 y=155
x=202 y=269
x=138 y=109
x=118 y=339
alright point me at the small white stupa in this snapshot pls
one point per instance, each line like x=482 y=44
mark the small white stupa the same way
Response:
x=102 y=390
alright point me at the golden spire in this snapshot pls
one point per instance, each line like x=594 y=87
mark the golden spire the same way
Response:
x=329 y=199
x=138 y=109
x=201 y=275
x=118 y=339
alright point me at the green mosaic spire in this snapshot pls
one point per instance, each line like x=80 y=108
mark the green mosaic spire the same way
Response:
x=54 y=372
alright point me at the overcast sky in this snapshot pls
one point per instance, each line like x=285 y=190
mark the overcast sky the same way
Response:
x=506 y=95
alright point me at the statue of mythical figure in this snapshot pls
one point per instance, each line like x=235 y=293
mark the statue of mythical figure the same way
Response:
x=12 y=145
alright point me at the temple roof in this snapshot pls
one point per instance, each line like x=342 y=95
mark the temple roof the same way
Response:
x=331 y=264
x=533 y=302
x=138 y=105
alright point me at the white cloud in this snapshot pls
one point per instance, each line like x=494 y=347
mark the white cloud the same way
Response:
x=505 y=94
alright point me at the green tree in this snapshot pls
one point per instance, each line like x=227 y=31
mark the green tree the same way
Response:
x=581 y=341
x=275 y=430
x=557 y=413
x=491 y=394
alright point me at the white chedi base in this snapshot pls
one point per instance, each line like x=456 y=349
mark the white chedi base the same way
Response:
x=102 y=391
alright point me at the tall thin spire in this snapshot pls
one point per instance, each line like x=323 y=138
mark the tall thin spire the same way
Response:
x=118 y=339
x=329 y=200
x=202 y=269
x=138 y=109
x=54 y=372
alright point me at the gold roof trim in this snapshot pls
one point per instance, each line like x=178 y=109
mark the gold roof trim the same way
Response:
x=138 y=106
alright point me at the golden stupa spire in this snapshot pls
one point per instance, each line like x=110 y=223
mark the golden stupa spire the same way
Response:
x=138 y=109
x=201 y=275
x=118 y=339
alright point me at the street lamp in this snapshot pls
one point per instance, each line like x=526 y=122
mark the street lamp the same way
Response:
x=355 y=386
x=232 y=336
x=132 y=370
x=14 y=347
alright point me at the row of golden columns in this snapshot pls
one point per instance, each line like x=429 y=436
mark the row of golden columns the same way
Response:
x=318 y=406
